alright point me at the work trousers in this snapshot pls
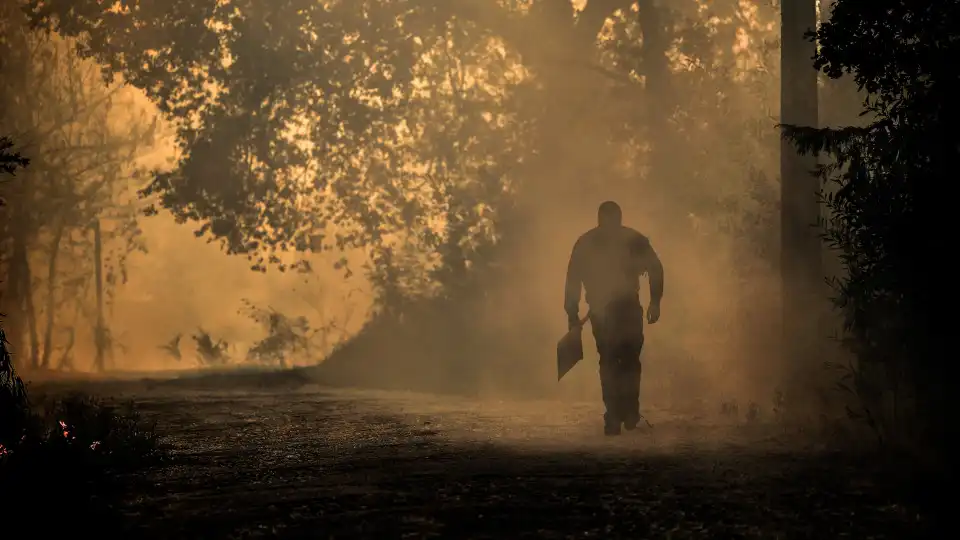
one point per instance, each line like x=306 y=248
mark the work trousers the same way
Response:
x=618 y=331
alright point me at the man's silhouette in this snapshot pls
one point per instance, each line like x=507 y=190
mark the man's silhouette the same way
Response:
x=607 y=263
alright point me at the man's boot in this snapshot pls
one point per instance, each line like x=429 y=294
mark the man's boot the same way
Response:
x=631 y=410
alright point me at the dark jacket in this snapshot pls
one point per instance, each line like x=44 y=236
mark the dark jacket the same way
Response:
x=608 y=265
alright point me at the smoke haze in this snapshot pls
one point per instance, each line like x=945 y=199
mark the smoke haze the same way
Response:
x=701 y=181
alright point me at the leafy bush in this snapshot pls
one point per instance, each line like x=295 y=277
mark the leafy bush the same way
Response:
x=66 y=455
x=15 y=418
x=211 y=353
x=10 y=160
x=287 y=337
x=889 y=178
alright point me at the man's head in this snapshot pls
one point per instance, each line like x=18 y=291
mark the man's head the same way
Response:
x=609 y=216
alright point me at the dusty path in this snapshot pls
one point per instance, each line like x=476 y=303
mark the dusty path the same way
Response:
x=316 y=463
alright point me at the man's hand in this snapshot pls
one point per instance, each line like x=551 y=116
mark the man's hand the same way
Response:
x=653 y=313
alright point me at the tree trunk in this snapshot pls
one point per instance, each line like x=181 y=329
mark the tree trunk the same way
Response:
x=801 y=266
x=659 y=105
x=66 y=359
x=26 y=277
x=51 y=295
x=100 y=332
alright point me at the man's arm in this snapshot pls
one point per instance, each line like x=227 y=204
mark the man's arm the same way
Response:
x=655 y=274
x=649 y=263
x=574 y=284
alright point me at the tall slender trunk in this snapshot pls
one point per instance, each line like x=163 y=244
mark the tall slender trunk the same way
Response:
x=659 y=105
x=26 y=277
x=800 y=263
x=21 y=322
x=51 y=295
x=100 y=332
x=66 y=358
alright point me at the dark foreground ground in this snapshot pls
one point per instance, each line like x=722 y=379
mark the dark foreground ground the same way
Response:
x=319 y=463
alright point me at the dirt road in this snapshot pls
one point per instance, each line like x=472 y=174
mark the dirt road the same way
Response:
x=319 y=463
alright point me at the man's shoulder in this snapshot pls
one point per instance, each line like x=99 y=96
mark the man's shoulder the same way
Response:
x=630 y=239
x=637 y=242
x=635 y=237
x=587 y=237
x=628 y=234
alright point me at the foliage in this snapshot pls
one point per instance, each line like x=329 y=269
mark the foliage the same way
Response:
x=118 y=432
x=331 y=136
x=409 y=121
x=887 y=204
x=13 y=399
x=10 y=160
x=13 y=395
x=286 y=337
x=277 y=104
x=73 y=460
x=65 y=454
x=172 y=347
x=86 y=145
x=211 y=353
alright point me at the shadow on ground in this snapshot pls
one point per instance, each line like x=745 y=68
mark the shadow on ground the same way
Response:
x=320 y=463
x=492 y=492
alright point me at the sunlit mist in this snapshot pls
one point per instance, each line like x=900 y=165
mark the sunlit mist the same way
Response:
x=680 y=130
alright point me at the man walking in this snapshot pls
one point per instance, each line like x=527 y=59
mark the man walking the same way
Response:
x=607 y=263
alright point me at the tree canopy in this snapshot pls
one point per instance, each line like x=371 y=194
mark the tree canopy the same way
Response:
x=297 y=119
x=278 y=105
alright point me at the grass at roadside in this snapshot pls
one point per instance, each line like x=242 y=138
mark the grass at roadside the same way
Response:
x=66 y=462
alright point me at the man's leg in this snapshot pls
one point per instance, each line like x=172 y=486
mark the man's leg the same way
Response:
x=610 y=389
x=629 y=391
x=609 y=371
x=630 y=367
